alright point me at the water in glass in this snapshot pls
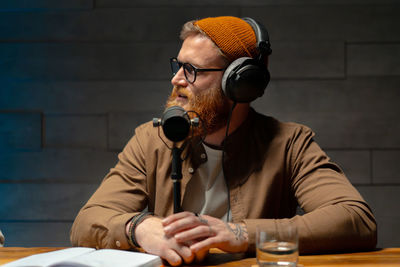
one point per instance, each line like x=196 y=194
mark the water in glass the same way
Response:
x=277 y=254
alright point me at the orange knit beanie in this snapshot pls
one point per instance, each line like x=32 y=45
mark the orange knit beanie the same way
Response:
x=234 y=36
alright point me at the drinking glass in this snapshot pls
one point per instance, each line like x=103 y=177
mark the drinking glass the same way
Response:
x=277 y=245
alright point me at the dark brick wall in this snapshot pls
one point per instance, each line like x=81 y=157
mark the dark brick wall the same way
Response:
x=77 y=76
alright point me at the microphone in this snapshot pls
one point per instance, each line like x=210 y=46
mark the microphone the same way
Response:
x=175 y=123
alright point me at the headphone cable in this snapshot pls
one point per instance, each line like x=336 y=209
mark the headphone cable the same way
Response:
x=223 y=158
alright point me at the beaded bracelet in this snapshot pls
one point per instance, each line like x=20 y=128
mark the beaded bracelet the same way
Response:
x=134 y=222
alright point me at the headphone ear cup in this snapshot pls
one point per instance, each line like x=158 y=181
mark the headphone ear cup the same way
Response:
x=245 y=79
x=229 y=72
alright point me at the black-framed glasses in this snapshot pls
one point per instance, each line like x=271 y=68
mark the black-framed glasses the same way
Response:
x=188 y=69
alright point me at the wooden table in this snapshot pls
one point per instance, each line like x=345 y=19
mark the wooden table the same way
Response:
x=381 y=257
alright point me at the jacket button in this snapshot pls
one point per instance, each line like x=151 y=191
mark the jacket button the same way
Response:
x=203 y=155
x=191 y=171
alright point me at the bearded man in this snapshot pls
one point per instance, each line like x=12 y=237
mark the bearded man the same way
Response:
x=256 y=171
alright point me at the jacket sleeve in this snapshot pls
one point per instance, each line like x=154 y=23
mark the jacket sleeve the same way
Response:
x=336 y=217
x=122 y=194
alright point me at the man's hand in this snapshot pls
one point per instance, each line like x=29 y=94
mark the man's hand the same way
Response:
x=205 y=232
x=150 y=236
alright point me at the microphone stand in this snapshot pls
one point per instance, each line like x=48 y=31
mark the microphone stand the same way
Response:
x=176 y=176
x=176 y=124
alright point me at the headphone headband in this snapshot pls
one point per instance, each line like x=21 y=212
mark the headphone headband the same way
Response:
x=262 y=37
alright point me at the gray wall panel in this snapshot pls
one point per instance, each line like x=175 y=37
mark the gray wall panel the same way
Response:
x=373 y=59
x=258 y=3
x=102 y=25
x=350 y=23
x=76 y=131
x=85 y=97
x=21 y=130
x=122 y=126
x=36 y=234
x=386 y=167
x=307 y=60
x=366 y=94
x=144 y=22
x=57 y=165
x=86 y=61
x=6 y=5
x=51 y=202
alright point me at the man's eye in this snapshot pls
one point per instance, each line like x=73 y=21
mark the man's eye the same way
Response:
x=189 y=68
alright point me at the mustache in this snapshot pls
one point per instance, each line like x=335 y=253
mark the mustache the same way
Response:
x=178 y=90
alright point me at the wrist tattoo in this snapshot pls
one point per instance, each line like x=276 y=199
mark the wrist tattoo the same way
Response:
x=238 y=230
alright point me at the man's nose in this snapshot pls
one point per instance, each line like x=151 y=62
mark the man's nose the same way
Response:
x=179 y=78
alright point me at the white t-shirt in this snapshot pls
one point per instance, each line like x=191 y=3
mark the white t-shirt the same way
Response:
x=207 y=193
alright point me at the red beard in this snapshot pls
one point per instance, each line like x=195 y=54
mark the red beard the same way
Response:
x=211 y=106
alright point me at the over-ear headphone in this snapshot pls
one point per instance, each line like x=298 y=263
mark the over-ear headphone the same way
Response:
x=246 y=78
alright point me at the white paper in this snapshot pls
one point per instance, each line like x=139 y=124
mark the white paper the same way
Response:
x=112 y=258
x=45 y=259
x=81 y=257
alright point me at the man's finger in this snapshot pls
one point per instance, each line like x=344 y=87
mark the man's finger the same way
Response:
x=202 y=231
x=186 y=254
x=204 y=245
x=182 y=224
x=172 y=257
x=174 y=217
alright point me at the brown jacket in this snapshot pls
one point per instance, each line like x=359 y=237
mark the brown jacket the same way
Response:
x=271 y=167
